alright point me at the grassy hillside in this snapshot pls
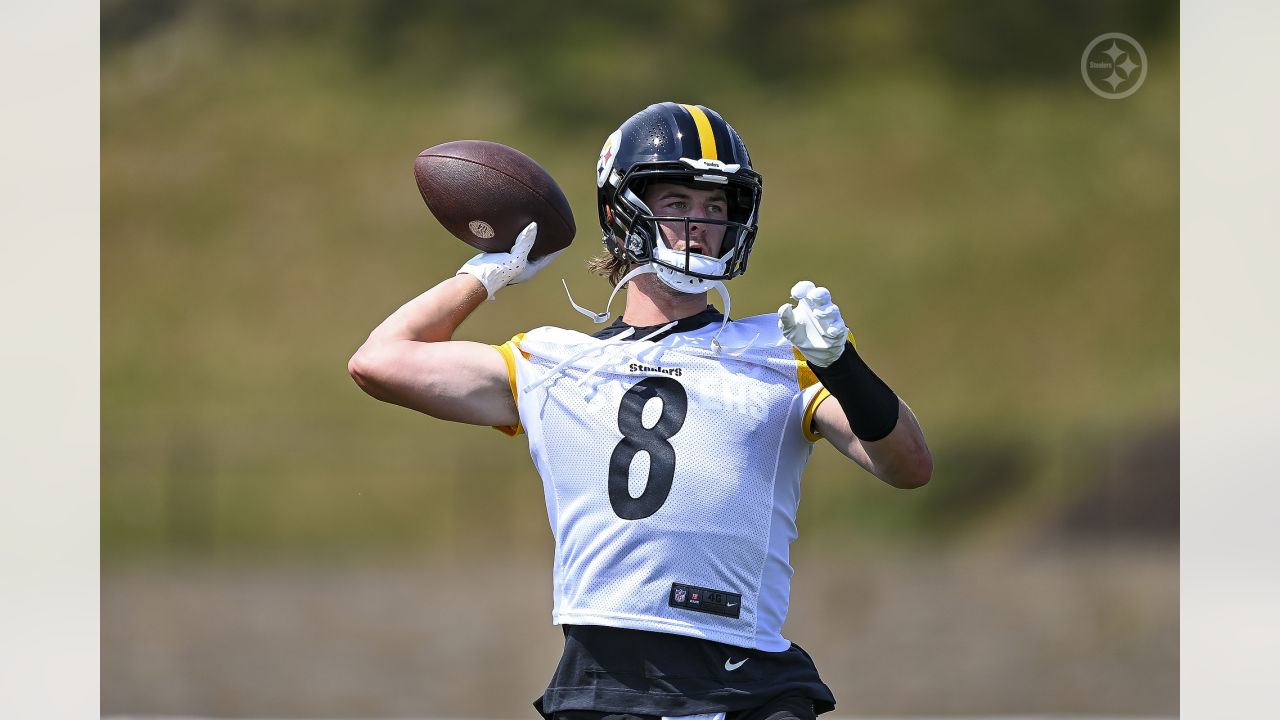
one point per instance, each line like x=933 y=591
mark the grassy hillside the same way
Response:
x=1004 y=247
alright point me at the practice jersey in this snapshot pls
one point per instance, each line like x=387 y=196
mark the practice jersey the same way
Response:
x=671 y=471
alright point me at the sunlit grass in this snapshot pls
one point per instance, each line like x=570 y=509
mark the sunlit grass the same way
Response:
x=1007 y=257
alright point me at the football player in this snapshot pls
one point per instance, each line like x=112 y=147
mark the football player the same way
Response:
x=671 y=442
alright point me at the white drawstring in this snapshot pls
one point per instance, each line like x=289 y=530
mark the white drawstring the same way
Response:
x=574 y=357
x=736 y=350
x=605 y=361
x=601 y=317
x=559 y=367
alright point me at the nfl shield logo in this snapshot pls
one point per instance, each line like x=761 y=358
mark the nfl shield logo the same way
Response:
x=680 y=594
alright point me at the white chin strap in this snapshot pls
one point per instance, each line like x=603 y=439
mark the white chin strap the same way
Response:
x=602 y=317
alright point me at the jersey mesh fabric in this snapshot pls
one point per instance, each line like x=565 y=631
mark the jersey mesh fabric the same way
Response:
x=734 y=464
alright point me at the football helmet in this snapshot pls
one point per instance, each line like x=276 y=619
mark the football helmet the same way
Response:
x=688 y=145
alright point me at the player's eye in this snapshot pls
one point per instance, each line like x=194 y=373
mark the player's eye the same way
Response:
x=715 y=208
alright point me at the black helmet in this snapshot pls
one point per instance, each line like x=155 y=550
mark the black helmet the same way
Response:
x=688 y=145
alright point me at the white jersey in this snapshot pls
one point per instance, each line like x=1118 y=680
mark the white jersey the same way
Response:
x=671 y=471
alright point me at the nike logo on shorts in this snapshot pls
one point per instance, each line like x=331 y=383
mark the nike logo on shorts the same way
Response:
x=730 y=665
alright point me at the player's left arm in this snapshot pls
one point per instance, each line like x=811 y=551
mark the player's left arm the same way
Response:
x=863 y=418
x=901 y=458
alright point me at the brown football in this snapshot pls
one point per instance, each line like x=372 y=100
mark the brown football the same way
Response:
x=486 y=193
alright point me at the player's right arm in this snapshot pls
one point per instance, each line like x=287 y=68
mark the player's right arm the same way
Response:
x=410 y=359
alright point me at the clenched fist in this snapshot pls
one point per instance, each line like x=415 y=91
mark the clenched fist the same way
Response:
x=814 y=325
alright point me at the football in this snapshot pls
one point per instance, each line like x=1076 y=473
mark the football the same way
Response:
x=486 y=193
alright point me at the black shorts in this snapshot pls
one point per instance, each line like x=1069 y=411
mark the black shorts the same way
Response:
x=612 y=671
x=792 y=706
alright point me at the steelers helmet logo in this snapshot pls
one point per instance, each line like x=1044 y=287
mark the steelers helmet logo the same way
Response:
x=608 y=154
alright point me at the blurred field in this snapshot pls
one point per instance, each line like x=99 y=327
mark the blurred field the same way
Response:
x=1003 y=243
x=1081 y=632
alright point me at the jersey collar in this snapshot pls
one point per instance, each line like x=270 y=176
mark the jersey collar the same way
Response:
x=693 y=322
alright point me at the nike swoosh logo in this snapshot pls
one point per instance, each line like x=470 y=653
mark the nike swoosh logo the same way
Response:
x=731 y=666
x=731 y=604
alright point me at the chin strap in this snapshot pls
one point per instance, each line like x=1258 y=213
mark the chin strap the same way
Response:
x=602 y=317
x=723 y=292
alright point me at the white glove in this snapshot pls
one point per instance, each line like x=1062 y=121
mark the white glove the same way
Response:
x=498 y=270
x=814 y=325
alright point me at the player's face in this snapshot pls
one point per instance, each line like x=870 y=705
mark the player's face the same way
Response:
x=670 y=200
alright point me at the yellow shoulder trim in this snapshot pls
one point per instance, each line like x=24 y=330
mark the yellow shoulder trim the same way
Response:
x=810 y=432
x=804 y=375
x=508 y=351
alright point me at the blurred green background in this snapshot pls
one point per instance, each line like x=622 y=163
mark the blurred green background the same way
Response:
x=1002 y=241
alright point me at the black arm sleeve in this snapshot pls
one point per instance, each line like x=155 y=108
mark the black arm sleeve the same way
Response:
x=870 y=405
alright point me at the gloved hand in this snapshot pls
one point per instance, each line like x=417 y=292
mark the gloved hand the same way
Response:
x=814 y=325
x=498 y=270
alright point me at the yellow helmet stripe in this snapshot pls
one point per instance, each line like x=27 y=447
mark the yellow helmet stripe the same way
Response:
x=705 y=137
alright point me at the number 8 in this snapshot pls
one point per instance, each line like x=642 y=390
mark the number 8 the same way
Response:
x=637 y=438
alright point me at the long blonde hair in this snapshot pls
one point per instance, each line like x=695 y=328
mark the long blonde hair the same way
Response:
x=609 y=267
